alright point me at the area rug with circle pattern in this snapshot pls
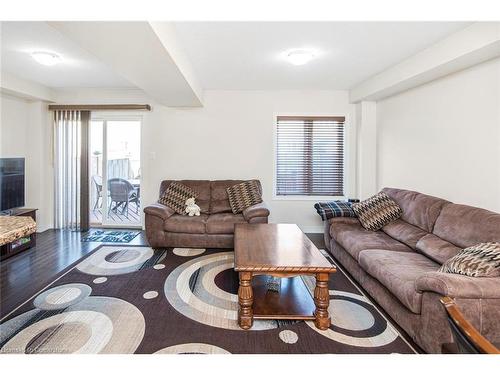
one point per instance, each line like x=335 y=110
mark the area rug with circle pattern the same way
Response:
x=133 y=299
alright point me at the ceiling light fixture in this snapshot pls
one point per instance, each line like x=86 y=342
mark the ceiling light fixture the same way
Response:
x=46 y=58
x=299 y=56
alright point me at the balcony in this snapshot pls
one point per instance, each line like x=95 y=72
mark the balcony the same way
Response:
x=123 y=194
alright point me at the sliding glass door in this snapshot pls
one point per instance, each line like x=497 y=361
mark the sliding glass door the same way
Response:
x=115 y=171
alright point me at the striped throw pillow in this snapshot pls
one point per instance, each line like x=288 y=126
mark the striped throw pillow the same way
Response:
x=377 y=211
x=175 y=197
x=243 y=195
x=482 y=260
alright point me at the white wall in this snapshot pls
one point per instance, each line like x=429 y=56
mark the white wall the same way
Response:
x=366 y=166
x=231 y=137
x=443 y=138
x=14 y=126
x=25 y=132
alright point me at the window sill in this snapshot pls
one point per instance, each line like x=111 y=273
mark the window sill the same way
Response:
x=316 y=198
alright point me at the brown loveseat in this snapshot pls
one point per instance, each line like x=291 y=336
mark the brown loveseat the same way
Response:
x=214 y=228
x=398 y=265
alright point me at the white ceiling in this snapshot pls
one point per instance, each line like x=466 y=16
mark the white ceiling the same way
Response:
x=248 y=55
x=77 y=69
x=236 y=55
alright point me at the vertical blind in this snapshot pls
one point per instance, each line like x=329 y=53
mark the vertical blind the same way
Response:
x=310 y=156
x=67 y=167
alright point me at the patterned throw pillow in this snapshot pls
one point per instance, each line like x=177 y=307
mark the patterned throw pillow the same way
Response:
x=329 y=210
x=243 y=195
x=377 y=211
x=481 y=260
x=175 y=197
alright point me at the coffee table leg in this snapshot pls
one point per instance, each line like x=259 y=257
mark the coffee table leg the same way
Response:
x=322 y=300
x=245 y=300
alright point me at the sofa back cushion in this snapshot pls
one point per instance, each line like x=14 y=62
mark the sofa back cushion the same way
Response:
x=419 y=209
x=219 y=199
x=202 y=187
x=436 y=248
x=466 y=226
x=405 y=232
x=212 y=195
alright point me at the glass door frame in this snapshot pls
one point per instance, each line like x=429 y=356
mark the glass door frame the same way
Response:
x=104 y=117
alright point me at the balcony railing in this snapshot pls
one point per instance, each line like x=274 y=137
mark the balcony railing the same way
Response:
x=119 y=213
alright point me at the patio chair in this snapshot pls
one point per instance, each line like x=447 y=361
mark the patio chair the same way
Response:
x=122 y=192
x=97 y=180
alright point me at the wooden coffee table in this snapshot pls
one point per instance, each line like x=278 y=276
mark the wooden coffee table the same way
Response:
x=279 y=250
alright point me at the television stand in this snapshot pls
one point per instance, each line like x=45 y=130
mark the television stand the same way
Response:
x=23 y=243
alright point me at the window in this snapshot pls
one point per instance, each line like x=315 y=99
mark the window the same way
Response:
x=310 y=156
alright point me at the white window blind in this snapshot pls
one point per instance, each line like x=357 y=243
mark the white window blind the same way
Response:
x=310 y=156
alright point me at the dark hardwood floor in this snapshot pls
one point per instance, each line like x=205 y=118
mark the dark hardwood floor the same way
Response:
x=25 y=274
x=317 y=239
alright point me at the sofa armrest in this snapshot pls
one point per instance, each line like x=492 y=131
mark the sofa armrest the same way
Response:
x=343 y=220
x=459 y=286
x=159 y=210
x=257 y=210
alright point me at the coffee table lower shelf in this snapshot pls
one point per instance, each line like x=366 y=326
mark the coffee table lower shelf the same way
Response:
x=292 y=302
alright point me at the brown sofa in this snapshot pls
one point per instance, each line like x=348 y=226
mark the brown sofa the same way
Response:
x=398 y=265
x=214 y=228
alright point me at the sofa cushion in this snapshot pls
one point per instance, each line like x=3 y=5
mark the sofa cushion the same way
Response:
x=202 y=187
x=186 y=224
x=398 y=272
x=466 y=226
x=404 y=232
x=219 y=201
x=482 y=260
x=436 y=248
x=354 y=238
x=223 y=223
x=418 y=209
x=377 y=211
x=244 y=195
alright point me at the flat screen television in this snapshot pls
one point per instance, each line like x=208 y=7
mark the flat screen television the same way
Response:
x=11 y=183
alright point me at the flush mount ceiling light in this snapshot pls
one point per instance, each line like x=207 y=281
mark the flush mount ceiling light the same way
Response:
x=46 y=58
x=299 y=56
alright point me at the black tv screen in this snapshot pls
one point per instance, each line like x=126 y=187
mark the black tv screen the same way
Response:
x=11 y=183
